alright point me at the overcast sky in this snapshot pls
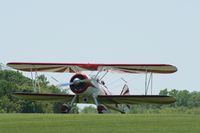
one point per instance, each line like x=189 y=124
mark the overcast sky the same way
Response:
x=106 y=31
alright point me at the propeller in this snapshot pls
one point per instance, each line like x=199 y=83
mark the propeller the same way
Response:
x=64 y=84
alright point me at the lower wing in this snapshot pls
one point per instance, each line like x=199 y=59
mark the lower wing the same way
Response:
x=136 y=99
x=108 y=99
x=43 y=96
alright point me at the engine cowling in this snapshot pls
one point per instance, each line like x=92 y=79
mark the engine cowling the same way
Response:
x=79 y=87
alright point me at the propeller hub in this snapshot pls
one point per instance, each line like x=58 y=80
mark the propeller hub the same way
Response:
x=77 y=85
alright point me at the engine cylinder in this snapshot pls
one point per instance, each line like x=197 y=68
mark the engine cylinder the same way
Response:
x=81 y=86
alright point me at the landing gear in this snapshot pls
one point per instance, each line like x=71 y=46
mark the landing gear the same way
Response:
x=65 y=108
x=101 y=109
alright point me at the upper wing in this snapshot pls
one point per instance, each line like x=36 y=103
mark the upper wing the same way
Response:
x=44 y=97
x=135 y=99
x=76 y=67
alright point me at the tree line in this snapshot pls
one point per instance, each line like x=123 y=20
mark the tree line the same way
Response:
x=14 y=81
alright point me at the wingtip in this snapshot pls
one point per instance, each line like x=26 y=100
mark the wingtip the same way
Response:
x=175 y=69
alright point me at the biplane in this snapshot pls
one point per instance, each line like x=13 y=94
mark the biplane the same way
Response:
x=92 y=89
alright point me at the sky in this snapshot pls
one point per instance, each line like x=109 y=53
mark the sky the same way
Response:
x=106 y=31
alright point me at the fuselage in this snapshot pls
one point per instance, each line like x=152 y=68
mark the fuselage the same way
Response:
x=82 y=84
x=97 y=88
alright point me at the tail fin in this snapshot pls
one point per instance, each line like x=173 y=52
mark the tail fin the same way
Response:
x=125 y=90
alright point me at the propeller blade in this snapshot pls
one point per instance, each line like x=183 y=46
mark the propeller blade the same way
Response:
x=65 y=84
x=81 y=81
x=74 y=82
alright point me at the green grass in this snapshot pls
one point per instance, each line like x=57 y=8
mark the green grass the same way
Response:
x=95 y=123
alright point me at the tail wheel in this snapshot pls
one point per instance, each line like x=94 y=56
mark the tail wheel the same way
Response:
x=101 y=109
x=65 y=108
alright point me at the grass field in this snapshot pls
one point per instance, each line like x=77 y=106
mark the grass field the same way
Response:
x=95 y=123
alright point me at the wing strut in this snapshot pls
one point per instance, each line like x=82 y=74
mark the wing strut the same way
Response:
x=103 y=75
x=148 y=82
x=35 y=83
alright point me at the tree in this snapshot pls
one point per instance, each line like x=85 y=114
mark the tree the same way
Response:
x=164 y=92
x=12 y=81
x=8 y=106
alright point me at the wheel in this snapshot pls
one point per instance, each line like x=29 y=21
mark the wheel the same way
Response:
x=65 y=108
x=101 y=109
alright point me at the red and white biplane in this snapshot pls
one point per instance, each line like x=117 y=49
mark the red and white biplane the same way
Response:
x=92 y=89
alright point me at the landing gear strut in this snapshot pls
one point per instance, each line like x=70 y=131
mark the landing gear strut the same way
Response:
x=100 y=107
